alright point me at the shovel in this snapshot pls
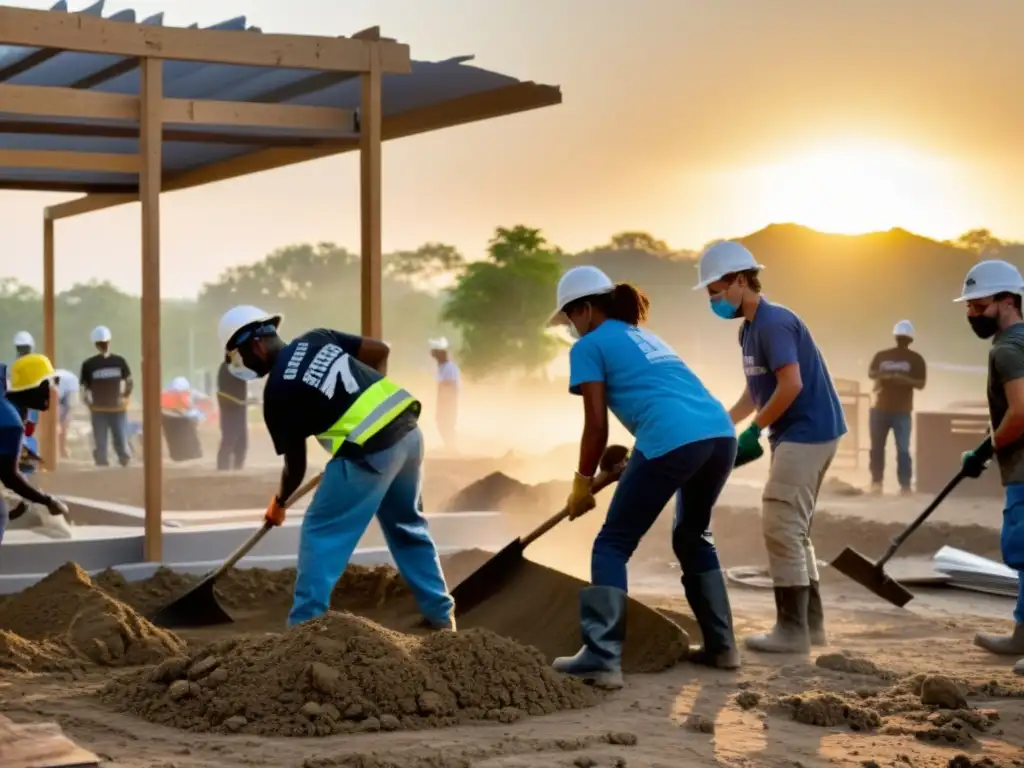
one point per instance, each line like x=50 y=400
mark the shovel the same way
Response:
x=490 y=577
x=872 y=576
x=199 y=607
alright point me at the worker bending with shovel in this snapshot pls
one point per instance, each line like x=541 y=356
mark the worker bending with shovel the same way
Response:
x=685 y=447
x=790 y=393
x=333 y=386
x=992 y=292
x=31 y=380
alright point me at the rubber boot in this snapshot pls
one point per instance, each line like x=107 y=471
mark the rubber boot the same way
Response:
x=790 y=634
x=816 y=616
x=1018 y=668
x=709 y=601
x=603 y=628
x=1004 y=645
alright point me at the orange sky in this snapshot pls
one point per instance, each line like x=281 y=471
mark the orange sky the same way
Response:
x=691 y=119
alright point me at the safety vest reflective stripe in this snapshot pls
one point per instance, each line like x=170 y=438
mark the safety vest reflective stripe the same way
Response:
x=231 y=399
x=373 y=410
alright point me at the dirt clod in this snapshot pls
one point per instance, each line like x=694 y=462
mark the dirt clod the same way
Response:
x=939 y=691
x=827 y=710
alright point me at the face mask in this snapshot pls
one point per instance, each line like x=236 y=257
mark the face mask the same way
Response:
x=984 y=327
x=574 y=332
x=37 y=399
x=724 y=308
x=246 y=365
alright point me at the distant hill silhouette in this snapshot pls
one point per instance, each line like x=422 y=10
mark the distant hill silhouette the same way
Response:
x=850 y=289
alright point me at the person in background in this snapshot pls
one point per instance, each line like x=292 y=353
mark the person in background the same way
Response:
x=67 y=391
x=23 y=345
x=448 y=383
x=334 y=386
x=685 y=447
x=106 y=382
x=897 y=372
x=993 y=291
x=31 y=379
x=233 y=404
x=789 y=392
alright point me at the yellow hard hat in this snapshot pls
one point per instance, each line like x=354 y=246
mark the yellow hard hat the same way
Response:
x=29 y=372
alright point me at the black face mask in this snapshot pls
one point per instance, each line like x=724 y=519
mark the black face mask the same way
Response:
x=254 y=362
x=984 y=327
x=37 y=399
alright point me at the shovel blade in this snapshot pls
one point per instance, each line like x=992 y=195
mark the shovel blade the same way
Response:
x=196 y=608
x=488 y=579
x=860 y=569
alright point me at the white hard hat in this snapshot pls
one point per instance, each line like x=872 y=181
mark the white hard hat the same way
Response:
x=438 y=344
x=721 y=259
x=987 y=278
x=577 y=283
x=903 y=328
x=179 y=384
x=100 y=334
x=237 y=318
x=24 y=339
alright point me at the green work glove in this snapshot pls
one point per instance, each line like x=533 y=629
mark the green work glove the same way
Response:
x=973 y=463
x=748 y=445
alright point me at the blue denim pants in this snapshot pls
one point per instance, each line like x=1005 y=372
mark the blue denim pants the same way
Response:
x=388 y=484
x=695 y=474
x=881 y=423
x=116 y=424
x=1011 y=540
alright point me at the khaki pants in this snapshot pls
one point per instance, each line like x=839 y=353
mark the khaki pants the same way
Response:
x=790 y=495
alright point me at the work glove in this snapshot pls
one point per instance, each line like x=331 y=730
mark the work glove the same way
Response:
x=57 y=507
x=581 y=497
x=974 y=462
x=275 y=512
x=748 y=445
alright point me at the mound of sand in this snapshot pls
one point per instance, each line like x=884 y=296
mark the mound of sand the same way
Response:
x=67 y=617
x=342 y=673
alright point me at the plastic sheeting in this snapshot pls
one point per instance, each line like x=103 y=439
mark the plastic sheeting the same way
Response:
x=976 y=573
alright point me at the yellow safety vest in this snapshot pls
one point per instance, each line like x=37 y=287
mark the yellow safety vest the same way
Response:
x=380 y=404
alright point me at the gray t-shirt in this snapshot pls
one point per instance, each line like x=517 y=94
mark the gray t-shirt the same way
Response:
x=1006 y=363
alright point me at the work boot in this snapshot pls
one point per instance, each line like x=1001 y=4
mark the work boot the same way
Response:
x=816 y=616
x=790 y=634
x=1004 y=645
x=1018 y=668
x=603 y=627
x=876 y=489
x=446 y=624
x=709 y=601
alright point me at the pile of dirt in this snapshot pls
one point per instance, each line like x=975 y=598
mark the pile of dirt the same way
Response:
x=68 y=618
x=344 y=673
x=497 y=492
x=827 y=710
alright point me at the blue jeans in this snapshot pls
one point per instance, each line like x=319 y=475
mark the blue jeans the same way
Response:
x=388 y=484
x=234 y=437
x=696 y=474
x=1011 y=540
x=117 y=425
x=880 y=423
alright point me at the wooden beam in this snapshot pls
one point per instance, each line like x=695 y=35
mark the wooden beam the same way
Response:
x=44 y=101
x=31 y=61
x=150 y=182
x=75 y=32
x=49 y=448
x=101 y=162
x=370 y=138
x=237 y=113
x=81 y=187
x=512 y=99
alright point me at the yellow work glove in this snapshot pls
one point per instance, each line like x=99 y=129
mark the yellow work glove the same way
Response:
x=581 y=498
x=275 y=513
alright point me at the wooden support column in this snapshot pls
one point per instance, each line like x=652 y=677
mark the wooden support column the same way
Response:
x=150 y=181
x=48 y=428
x=370 y=196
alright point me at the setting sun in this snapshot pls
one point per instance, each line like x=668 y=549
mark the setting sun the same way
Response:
x=851 y=188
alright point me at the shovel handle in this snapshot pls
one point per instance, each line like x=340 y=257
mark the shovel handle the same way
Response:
x=255 y=539
x=906 y=532
x=601 y=481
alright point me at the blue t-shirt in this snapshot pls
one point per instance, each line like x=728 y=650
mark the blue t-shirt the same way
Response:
x=11 y=430
x=649 y=389
x=775 y=338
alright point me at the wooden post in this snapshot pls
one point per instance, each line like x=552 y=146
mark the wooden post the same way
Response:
x=48 y=428
x=151 y=152
x=370 y=197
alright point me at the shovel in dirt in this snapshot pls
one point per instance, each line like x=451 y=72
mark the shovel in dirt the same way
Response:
x=492 y=576
x=872 y=576
x=199 y=607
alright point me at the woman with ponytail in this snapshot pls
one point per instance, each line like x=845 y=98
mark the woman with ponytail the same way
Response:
x=685 y=447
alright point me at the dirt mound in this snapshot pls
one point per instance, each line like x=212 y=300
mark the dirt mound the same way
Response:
x=66 y=615
x=827 y=710
x=342 y=673
x=497 y=492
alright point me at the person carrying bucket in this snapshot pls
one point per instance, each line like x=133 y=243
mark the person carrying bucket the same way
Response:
x=29 y=388
x=789 y=392
x=685 y=447
x=333 y=386
x=993 y=292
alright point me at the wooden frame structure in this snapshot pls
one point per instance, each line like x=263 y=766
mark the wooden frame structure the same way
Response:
x=305 y=133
